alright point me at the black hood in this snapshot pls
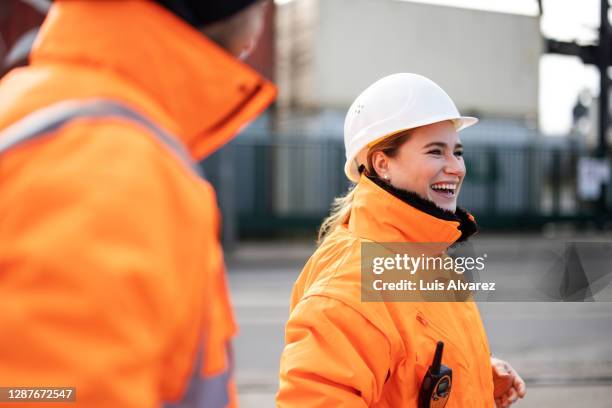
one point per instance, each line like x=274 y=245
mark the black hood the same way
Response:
x=199 y=13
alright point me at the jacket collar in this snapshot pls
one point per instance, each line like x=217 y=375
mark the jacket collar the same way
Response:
x=382 y=213
x=206 y=91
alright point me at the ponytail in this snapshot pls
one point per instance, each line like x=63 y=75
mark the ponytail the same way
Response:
x=340 y=211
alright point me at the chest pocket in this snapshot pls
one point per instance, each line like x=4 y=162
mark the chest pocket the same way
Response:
x=427 y=333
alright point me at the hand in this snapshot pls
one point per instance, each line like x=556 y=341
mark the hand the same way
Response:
x=508 y=386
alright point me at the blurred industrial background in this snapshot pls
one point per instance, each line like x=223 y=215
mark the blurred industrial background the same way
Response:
x=538 y=162
x=286 y=168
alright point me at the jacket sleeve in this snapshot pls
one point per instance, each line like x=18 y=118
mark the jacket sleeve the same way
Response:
x=334 y=357
x=99 y=285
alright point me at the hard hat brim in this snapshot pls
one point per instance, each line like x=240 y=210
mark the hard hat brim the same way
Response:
x=350 y=167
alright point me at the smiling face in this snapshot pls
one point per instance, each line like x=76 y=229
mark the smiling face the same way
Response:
x=429 y=162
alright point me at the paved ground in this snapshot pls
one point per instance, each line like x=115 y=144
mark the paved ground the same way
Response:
x=563 y=350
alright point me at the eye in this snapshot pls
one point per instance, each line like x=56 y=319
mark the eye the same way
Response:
x=459 y=153
x=436 y=152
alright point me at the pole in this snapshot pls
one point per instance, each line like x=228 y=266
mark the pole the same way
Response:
x=604 y=51
x=604 y=81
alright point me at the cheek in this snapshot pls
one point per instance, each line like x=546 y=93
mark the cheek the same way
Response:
x=426 y=168
x=415 y=173
x=256 y=25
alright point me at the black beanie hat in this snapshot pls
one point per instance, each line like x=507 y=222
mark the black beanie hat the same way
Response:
x=201 y=12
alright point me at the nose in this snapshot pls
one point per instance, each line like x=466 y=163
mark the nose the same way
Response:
x=454 y=166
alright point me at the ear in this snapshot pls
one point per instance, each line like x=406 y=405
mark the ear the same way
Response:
x=380 y=162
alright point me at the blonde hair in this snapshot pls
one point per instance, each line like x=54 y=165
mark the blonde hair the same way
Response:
x=342 y=206
x=340 y=211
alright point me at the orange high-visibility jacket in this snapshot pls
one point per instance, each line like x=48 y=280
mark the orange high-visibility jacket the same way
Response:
x=111 y=272
x=342 y=352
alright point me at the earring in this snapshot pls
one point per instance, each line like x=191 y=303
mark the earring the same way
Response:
x=386 y=177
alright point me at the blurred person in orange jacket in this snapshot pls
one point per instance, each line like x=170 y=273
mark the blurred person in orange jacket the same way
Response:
x=404 y=154
x=111 y=271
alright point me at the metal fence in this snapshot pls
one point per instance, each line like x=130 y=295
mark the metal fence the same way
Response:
x=270 y=187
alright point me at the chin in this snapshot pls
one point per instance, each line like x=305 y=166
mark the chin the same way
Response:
x=448 y=207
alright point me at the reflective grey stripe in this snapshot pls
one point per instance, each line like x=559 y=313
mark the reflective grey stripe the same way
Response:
x=52 y=118
x=214 y=391
x=205 y=392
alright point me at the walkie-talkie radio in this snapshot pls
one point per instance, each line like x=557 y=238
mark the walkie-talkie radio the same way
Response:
x=436 y=386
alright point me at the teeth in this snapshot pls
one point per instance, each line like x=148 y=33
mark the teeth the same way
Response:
x=444 y=187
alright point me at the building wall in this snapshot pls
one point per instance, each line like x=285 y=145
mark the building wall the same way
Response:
x=296 y=25
x=487 y=61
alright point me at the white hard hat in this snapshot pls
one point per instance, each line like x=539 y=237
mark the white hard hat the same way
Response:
x=393 y=104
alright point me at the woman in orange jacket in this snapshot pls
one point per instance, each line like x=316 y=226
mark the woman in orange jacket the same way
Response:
x=404 y=154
